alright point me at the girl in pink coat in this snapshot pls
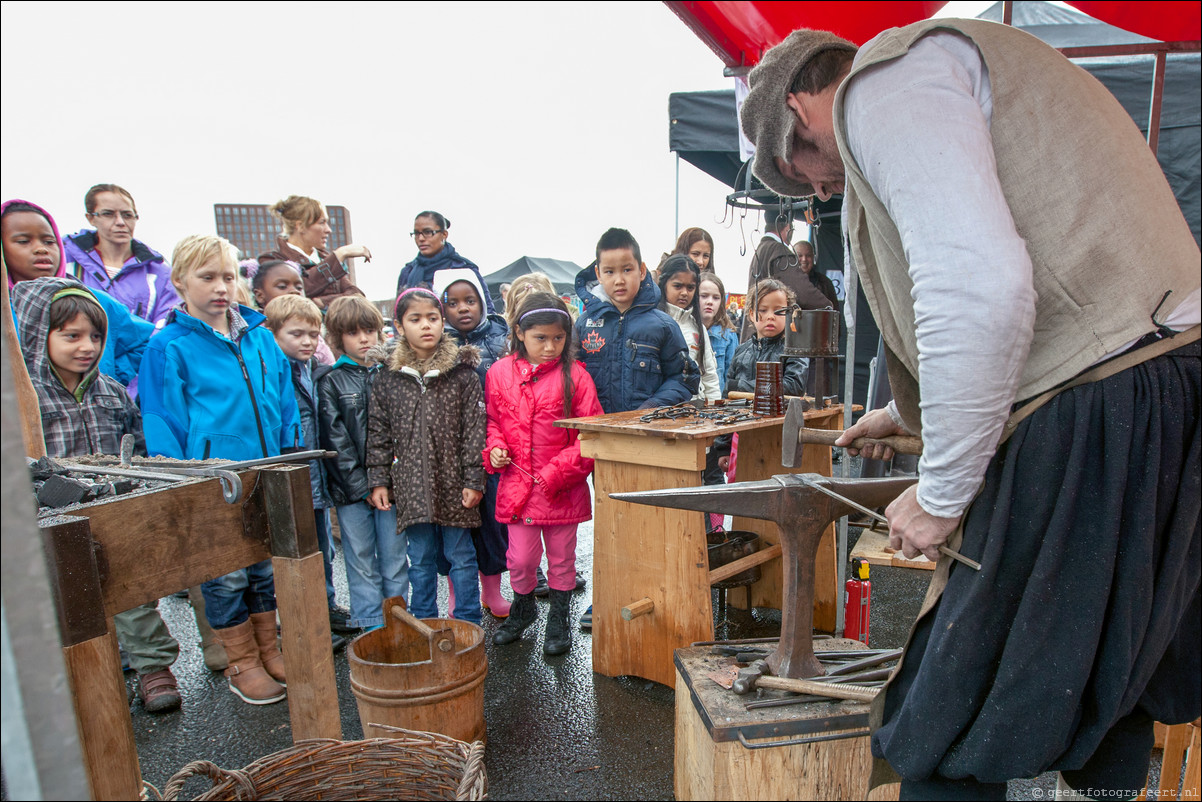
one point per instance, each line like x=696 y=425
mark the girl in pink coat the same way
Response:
x=543 y=494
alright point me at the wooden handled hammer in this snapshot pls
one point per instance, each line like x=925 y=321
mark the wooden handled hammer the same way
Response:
x=795 y=435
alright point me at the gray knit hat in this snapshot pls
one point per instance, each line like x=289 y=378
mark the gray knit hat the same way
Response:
x=767 y=121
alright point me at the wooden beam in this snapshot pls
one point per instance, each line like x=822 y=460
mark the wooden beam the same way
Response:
x=743 y=563
x=683 y=455
x=42 y=754
x=152 y=545
x=106 y=731
x=304 y=618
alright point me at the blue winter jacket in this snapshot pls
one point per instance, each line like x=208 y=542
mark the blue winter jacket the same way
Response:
x=638 y=359
x=724 y=342
x=204 y=396
x=491 y=337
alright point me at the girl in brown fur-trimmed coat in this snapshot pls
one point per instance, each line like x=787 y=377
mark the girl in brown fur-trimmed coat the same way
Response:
x=425 y=435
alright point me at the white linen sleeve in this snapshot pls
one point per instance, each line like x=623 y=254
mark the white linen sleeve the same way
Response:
x=919 y=130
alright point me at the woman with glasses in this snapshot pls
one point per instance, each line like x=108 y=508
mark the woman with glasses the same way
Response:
x=108 y=257
x=306 y=231
x=434 y=253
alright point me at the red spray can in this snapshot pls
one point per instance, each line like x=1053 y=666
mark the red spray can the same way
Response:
x=857 y=597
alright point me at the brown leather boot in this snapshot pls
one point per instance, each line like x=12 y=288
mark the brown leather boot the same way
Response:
x=269 y=645
x=248 y=679
x=213 y=652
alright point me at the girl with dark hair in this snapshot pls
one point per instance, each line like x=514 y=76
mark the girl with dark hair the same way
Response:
x=678 y=279
x=33 y=249
x=271 y=278
x=435 y=253
x=425 y=435
x=724 y=337
x=543 y=495
x=698 y=245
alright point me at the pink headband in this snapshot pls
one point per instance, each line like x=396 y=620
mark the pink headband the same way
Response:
x=411 y=290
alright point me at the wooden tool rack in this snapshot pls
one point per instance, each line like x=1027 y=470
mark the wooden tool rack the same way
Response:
x=651 y=577
x=110 y=556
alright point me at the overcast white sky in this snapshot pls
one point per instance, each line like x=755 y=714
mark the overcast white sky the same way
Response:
x=532 y=126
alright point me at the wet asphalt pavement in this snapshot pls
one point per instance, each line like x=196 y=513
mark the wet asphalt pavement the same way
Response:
x=556 y=730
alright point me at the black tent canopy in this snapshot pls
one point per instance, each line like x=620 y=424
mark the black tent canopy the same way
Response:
x=561 y=273
x=703 y=131
x=703 y=127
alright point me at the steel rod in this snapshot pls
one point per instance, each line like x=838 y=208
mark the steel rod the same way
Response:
x=955 y=555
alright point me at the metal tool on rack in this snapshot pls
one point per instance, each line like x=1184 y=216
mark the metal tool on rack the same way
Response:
x=182 y=470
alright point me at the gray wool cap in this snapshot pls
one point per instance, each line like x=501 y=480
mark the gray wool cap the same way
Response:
x=767 y=121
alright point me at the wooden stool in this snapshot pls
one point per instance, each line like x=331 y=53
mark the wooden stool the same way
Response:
x=818 y=750
x=1180 y=743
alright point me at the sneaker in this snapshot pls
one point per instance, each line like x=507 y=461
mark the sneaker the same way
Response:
x=125 y=666
x=540 y=588
x=586 y=620
x=580 y=581
x=340 y=621
x=158 y=691
x=337 y=642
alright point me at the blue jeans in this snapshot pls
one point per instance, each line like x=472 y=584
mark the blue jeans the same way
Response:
x=325 y=544
x=230 y=599
x=426 y=541
x=377 y=562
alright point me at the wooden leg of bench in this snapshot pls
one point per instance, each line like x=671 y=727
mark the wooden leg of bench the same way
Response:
x=106 y=732
x=308 y=658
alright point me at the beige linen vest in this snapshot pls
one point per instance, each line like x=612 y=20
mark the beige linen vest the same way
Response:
x=1104 y=232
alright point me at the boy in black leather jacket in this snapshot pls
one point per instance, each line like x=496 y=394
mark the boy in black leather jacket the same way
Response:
x=377 y=560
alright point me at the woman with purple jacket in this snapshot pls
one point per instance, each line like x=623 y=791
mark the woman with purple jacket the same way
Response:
x=108 y=257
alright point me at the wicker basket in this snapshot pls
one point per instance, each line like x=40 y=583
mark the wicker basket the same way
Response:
x=413 y=765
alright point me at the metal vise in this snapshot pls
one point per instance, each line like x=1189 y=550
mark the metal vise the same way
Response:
x=802 y=512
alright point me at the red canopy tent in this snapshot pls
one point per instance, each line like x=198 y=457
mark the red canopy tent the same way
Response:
x=738 y=32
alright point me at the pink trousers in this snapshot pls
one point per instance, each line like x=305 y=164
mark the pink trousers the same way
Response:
x=526 y=550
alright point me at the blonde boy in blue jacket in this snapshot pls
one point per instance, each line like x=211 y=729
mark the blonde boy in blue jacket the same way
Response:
x=214 y=384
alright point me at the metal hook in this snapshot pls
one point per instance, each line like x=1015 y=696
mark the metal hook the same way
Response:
x=813 y=219
x=742 y=233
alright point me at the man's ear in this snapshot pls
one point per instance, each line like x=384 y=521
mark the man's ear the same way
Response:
x=799 y=102
x=642 y=270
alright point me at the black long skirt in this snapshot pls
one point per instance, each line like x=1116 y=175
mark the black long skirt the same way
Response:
x=1087 y=605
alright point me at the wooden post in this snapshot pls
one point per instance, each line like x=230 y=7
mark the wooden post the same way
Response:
x=106 y=731
x=43 y=758
x=304 y=619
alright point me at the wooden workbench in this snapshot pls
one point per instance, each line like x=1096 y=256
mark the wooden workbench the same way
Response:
x=643 y=552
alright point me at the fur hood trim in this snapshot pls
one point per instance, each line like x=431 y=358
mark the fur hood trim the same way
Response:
x=444 y=360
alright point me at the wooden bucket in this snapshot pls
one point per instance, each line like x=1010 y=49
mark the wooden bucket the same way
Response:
x=420 y=675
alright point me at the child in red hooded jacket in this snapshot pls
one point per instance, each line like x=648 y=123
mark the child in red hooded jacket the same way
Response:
x=543 y=495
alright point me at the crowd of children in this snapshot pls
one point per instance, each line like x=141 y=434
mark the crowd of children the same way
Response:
x=446 y=458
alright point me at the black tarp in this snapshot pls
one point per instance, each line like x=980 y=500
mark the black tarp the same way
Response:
x=561 y=273
x=703 y=129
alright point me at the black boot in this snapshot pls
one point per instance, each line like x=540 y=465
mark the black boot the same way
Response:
x=522 y=613
x=558 y=638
